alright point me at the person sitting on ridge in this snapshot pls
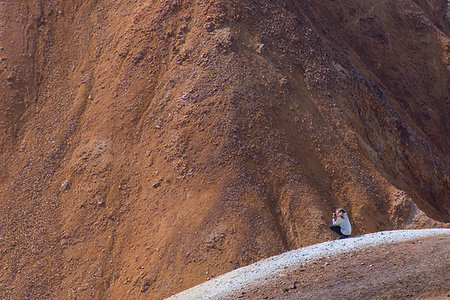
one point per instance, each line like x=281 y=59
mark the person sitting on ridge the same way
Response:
x=341 y=224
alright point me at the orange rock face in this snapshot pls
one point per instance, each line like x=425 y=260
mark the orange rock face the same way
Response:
x=147 y=146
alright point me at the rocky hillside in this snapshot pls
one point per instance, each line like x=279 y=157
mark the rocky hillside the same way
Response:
x=146 y=146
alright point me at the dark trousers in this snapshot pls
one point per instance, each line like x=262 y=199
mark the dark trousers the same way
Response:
x=337 y=229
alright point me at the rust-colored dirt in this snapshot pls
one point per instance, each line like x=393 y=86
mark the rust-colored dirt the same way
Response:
x=146 y=146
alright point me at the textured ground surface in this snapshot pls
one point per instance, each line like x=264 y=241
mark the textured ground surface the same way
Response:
x=266 y=274
x=146 y=146
x=409 y=270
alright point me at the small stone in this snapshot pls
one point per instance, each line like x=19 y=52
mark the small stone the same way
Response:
x=64 y=186
x=156 y=185
x=293 y=287
x=260 y=48
x=158 y=126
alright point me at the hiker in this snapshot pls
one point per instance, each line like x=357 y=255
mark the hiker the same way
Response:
x=341 y=224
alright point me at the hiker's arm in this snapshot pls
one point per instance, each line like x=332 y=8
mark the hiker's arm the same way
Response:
x=338 y=221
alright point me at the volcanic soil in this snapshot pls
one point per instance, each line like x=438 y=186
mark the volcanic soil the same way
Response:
x=149 y=145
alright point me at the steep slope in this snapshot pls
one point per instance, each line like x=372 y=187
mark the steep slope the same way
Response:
x=149 y=145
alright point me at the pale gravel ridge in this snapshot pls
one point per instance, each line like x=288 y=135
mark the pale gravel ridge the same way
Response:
x=230 y=282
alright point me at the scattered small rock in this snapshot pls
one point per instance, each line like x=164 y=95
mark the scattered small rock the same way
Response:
x=209 y=27
x=283 y=81
x=156 y=185
x=146 y=285
x=260 y=48
x=64 y=186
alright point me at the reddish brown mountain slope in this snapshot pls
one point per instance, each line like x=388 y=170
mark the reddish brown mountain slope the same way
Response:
x=148 y=145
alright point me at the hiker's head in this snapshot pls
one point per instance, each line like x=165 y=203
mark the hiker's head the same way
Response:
x=340 y=211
